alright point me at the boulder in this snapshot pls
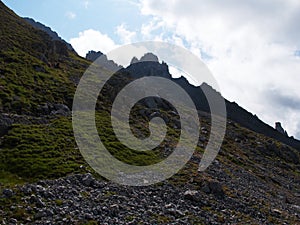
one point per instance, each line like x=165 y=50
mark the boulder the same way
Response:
x=213 y=187
x=61 y=109
x=192 y=195
x=8 y=193
x=5 y=124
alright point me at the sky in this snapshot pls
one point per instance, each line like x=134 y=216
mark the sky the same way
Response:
x=251 y=47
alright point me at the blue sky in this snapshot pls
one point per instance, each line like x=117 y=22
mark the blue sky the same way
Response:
x=69 y=17
x=251 y=47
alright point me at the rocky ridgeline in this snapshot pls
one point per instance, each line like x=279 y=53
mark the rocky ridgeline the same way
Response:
x=149 y=65
x=54 y=36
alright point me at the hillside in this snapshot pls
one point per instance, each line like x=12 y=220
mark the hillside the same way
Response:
x=38 y=77
x=45 y=180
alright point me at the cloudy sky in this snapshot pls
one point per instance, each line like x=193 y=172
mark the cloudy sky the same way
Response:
x=252 y=47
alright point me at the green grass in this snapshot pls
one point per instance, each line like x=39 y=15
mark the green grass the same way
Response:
x=31 y=152
x=122 y=152
x=23 y=90
x=7 y=178
x=40 y=151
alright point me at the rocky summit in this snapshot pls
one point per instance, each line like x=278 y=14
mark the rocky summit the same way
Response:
x=44 y=179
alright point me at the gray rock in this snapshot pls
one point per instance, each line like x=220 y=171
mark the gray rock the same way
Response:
x=191 y=195
x=61 y=109
x=8 y=193
x=93 y=55
x=32 y=199
x=216 y=188
x=206 y=189
x=175 y=212
x=149 y=57
x=279 y=128
x=40 y=214
x=88 y=216
x=5 y=124
x=13 y=221
x=40 y=203
x=134 y=60
x=88 y=180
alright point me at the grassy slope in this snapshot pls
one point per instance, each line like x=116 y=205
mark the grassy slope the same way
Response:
x=22 y=50
x=35 y=151
x=31 y=150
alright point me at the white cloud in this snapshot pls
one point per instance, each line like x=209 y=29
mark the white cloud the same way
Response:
x=248 y=45
x=153 y=25
x=125 y=35
x=86 y=4
x=70 y=15
x=92 y=40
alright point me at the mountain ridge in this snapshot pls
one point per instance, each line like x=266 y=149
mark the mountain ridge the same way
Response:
x=44 y=178
x=48 y=30
x=234 y=111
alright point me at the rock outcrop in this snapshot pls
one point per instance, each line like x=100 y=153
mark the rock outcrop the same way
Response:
x=149 y=57
x=93 y=55
x=5 y=124
x=48 y=30
x=103 y=61
x=280 y=129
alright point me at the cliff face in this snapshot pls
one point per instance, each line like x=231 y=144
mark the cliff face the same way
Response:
x=93 y=55
x=280 y=129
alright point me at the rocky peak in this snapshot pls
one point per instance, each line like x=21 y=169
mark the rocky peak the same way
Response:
x=149 y=57
x=93 y=55
x=134 y=60
x=145 y=58
x=104 y=61
x=280 y=129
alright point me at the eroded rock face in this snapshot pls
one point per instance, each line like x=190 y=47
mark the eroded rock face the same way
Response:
x=93 y=55
x=149 y=57
x=54 y=109
x=134 y=60
x=279 y=128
